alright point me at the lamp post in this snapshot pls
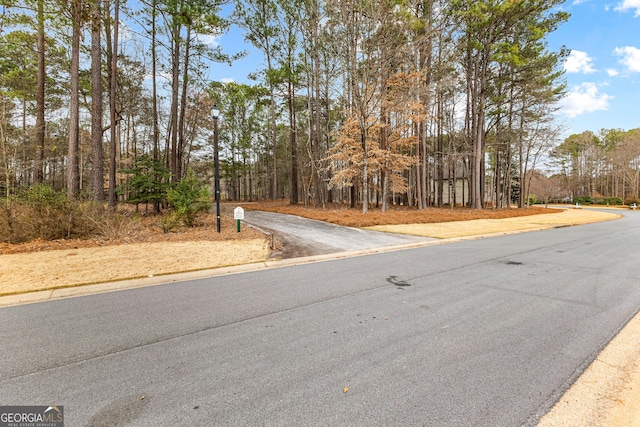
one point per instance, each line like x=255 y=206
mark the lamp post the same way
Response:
x=215 y=112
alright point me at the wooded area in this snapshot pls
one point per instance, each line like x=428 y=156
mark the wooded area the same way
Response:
x=419 y=102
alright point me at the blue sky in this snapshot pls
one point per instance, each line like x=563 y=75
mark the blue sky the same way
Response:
x=602 y=72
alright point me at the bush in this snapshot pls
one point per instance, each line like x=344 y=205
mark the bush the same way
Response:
x=588 y=200
x=169 y=221
x=110 y=225
x=583 y=200
x=147 y=183
x=614 y=201
x=40 y=212
x=189 y=198
x=48 y=214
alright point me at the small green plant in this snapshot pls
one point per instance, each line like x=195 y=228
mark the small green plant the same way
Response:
x=169 y=221
x=148 y=182
x=189 y=198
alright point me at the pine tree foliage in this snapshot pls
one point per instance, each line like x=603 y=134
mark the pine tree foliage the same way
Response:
x=355 y=101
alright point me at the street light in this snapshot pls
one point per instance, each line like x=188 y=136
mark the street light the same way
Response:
x=215 y=112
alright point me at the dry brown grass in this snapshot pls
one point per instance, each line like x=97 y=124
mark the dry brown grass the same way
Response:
x=132 y=228
x=142 y=229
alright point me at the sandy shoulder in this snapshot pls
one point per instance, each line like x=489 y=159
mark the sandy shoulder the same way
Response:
x=448 y=230
x=64 y=268
x=608 y=392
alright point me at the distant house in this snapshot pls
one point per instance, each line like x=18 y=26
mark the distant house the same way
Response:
x=455 y=190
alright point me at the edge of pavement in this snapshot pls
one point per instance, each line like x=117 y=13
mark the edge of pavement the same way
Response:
x=164 y=279
x=564 y=218
x=606 y=393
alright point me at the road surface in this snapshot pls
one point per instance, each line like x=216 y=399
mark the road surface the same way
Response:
x=474 y=333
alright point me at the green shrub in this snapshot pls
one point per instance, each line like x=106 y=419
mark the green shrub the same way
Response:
x=147 y=183
x=588 y=200
x=189 y=198
x=583 y=200
x=614 y=201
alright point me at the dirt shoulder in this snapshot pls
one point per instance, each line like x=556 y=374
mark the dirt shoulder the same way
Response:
x=57 y=269
x=608 y=392
x=476 y=227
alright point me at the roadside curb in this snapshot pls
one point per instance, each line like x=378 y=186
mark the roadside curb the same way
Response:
x=168 y=278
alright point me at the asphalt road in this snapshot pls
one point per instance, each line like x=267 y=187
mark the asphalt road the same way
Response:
x=475 y=333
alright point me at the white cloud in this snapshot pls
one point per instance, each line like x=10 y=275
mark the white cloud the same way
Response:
x=629 y=4
x=227 y=80
x=124 y=32
x=578 y=62
x=584 y=99
x=612 y=73
x=630 y=57
x=577 y=2
x=208 y=40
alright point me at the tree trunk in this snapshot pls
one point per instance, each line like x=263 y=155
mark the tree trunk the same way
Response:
x=440 y=186
x=4 y=148
x=97 y=154
x=365 y=172
x=73 y=170
x=418 y=174
x=384 y=143
x=175 y=86
x=293 y=199
x=478 y=103
x=154 y=85
x=113 y=82
x=40 y=106
x=183 y=107
x=154 y=82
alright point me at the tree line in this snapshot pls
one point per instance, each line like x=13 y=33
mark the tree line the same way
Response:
x=359 y=101
x=602 y=167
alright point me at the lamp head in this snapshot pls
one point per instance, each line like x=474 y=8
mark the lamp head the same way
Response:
x=215 y=111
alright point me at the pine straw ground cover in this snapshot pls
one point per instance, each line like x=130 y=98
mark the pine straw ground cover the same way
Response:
x=131 y=228
x=343 y=215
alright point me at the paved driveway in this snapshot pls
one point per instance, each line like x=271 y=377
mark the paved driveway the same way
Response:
x=297 y=236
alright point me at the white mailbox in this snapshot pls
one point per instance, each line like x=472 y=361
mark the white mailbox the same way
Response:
x=238 y=213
